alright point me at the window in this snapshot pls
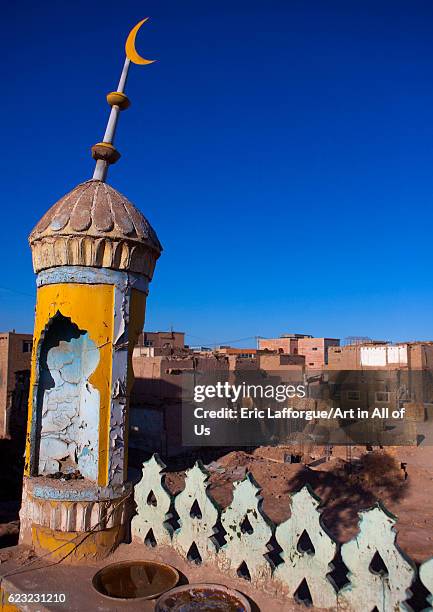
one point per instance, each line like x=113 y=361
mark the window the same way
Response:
x=311 y=363
x=148 y=343
x=335 y=391
x=314 y=348
x=27 y=346
x=353 y=395
x=381 y=396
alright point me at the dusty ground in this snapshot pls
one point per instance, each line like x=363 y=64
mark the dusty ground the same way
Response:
x=24 y=574
x=344 y=489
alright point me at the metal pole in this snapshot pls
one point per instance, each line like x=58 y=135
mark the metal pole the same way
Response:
x=101 y=166
x=124 y=75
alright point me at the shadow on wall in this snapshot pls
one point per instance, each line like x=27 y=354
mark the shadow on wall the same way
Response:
x=155 y=426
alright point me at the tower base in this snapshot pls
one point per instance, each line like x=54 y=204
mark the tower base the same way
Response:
x=75 y=521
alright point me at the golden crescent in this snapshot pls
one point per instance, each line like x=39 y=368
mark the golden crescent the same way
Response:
x=131 y=52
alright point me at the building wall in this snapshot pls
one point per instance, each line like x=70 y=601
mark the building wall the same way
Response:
x=242 y=353
x=417 y=355
x=382 y=356
x=288 y=346
x=162 y=339
x=242 y=363
x=15 y=356
x=316 y=350
x=273 y=363
x=420 y=355
x=156 y=399
x=4 y=359
x=344 y=357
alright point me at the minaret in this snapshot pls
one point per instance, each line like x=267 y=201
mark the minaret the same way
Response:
x=94 y=254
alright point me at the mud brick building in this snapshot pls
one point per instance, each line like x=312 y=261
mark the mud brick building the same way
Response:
x=403 y=372
x=239 y=358
x=315 y=350
x=382 y=355
x=161 y=340
x=156 y=398
x=382 y=375
x=272 y=362
x=243 y=353
x=15 y=357
x=286 y=343
x=160 y=371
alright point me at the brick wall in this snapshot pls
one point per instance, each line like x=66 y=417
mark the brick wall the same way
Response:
x=315 y=351
x=343 y=357
x=419 y=356
x=273 y=363
x=286 y=345
x=4 y=351
x=15 y=356
x=162 y=339
x=156 y=400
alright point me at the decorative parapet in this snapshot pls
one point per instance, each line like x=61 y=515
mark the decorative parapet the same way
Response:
x=426 y=576
x=308 y=550
x=379 y=574
x=248 y=533
x=198 y=514
x=153 y=505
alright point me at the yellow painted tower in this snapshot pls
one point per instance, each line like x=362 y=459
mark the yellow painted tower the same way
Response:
x=94 y=254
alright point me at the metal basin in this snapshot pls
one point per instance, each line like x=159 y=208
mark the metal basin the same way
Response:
x=202 y=598
x=135 y=580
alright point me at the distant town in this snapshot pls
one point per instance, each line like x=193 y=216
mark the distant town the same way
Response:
x=159 y=357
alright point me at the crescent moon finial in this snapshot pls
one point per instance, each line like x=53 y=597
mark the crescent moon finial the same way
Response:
x=130 y=50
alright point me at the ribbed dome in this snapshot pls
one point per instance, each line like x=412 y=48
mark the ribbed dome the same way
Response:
x=94 y=225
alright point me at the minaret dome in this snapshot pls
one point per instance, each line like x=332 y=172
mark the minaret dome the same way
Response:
x=95 y=225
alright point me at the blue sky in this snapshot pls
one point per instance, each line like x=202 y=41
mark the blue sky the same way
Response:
x=283 y=151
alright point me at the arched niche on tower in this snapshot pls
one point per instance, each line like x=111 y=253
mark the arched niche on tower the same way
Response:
x=67 y=404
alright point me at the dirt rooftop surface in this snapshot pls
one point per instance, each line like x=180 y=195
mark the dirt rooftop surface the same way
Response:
x=24 y=573
x=400 y=477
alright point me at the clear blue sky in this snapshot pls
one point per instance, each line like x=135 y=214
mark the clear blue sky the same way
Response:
x=283 y=151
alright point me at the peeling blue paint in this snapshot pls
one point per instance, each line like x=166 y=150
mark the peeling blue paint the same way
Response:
x=70 y=409
x=92 y=276
x=69 y=492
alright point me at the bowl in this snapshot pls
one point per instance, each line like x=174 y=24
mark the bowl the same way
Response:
x=202 y=597
x=136 y=580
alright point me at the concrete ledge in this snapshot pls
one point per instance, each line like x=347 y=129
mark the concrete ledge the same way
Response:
x=43 y=576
